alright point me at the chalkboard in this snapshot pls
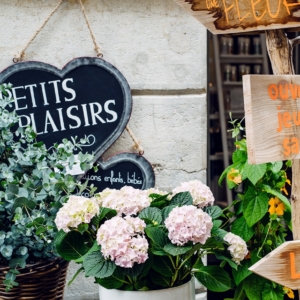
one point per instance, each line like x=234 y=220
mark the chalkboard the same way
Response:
x=123 y=169
x=88 y=97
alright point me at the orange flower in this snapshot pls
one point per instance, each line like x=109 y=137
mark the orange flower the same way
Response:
x=235 y=176
x=289 y=292
x=276 y=206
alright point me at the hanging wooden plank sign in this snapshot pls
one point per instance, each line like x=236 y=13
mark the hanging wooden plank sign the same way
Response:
x=88 y=97
x=235 y=16
x=282 y=265
x=272 y=116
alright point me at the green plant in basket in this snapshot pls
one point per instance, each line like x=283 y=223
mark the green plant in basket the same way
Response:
x=139 y=240
x=34 y=183
x=261 y=215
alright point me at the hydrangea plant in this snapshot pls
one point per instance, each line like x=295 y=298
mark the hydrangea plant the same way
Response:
x=33 y=185
x=132 y=239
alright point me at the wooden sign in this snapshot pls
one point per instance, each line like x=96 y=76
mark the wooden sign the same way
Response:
x=123 y=169
x=272 y=115
x=236 y=16
x=88 y=97
x=282 y=265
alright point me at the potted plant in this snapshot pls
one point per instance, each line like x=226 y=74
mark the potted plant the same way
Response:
x=144 y=242
x=261 y=215
x=34 y=183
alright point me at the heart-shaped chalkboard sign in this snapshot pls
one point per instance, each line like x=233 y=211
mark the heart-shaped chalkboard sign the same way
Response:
x=122 y=169
x=88 y=97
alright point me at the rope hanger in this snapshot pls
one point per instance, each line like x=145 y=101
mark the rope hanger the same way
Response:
x=21 y=56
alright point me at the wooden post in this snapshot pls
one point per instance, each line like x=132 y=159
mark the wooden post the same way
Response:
x=280 y=50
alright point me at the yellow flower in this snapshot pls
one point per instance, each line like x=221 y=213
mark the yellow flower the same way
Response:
x=276 y=206
x=235 y=176
x=283 y=188
x=289 y=292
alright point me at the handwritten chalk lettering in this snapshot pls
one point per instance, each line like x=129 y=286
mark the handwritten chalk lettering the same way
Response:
x=113 y=179
x=92 y=178
x=132 y=180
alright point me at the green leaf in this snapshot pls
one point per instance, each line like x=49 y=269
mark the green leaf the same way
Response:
x=115 y=281
x=71 y=245
x=23 y=202
x=220 y=256
x=83 y=227
x=240 y=228
x=276 y=166
x=157 y=236
x=95 y=265
x=224 y=174
x=239 y=292
x=242 y=272
x=270 y=293
x=11 y=191
x=151 y=215
x=239 y=157
x=181 y=199
x=159 y=200
x=40 y=230
x=161 y=280
x=176 y=250
x=103 y=213
x=255 y=206
x=17 y=263
x=254 y=172
x=214 y=211
x=81 y=269
x=133 y=272
x=218 y=232
x=257 y=282
x=214 y=278
x=163 y=266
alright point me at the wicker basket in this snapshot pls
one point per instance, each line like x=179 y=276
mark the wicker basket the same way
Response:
x=40 y=281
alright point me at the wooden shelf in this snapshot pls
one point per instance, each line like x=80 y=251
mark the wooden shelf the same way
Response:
x=224 y=95
x=237 y=58
x=232 y=83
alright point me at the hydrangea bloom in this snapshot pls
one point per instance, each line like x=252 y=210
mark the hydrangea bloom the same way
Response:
x=237 y=248
x=188 y=223
x=76 y=211
x=127 y=200
x=122 y=240
x=201 y=193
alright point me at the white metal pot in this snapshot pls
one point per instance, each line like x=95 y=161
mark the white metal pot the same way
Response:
x=182 y=292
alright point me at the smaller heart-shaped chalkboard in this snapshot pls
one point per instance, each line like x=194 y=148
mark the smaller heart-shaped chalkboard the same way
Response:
x=122 y=169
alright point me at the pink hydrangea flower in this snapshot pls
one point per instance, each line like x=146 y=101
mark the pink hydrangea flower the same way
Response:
x=127 y=200
x=76 y=211
x=188 y=223
x=122 y=240
x=238 y=247
x=201 y=193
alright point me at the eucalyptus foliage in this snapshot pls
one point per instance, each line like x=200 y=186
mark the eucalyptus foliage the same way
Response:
x=33 y=185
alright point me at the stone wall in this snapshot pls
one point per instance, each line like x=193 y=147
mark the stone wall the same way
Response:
x=158 y=47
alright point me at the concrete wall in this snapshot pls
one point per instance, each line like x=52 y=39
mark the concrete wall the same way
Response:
x=158 y=47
